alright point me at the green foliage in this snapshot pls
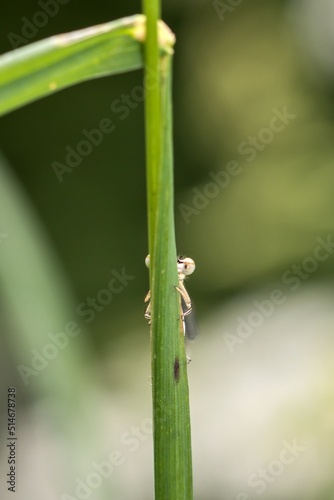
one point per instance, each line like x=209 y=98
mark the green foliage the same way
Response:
x=48 y=66
x=171 y=419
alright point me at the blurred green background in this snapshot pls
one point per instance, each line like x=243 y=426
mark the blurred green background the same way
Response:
x=238 y=65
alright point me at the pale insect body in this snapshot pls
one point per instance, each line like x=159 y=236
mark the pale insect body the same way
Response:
x=185 y=267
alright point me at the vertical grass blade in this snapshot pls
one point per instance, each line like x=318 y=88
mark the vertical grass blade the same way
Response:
x=171 y=418
x=152 y=112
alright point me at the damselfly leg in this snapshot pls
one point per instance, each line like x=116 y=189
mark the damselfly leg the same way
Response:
x=185 y=267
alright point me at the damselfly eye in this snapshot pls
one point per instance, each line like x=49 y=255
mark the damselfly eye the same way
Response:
x=186 y=266
x=147 y=261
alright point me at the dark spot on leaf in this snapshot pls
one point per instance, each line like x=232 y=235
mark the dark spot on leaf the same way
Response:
x=176 y=369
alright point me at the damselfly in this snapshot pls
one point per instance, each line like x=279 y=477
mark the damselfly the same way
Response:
x=185 y=267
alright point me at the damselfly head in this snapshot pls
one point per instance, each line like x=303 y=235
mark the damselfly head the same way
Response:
x=185 y=266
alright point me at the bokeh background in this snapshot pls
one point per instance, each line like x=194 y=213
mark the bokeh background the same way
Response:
x=262 y=366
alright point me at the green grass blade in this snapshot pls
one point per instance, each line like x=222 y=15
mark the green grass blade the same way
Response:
x=172 y=440
x=47 y=66
x=152 y=113
x=173 y=468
